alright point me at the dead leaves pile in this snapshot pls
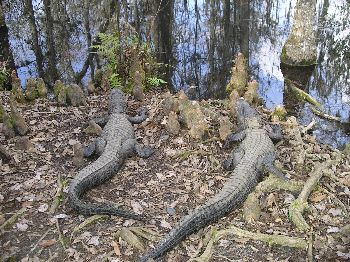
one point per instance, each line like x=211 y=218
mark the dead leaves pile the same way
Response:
x=180 y=176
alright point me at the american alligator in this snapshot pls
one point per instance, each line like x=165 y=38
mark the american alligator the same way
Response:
x=255 y=153
x=116 y=142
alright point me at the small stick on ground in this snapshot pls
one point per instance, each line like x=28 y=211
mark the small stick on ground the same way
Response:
x=58 y=196
x=12 y=219
x=90 y=220
x=40 y=239
x=310 y=247
x=299 y=205
x=60 y=235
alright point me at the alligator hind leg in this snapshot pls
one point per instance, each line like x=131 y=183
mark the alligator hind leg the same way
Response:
x=143 y=151
x=270 y=167
x=131 y=146
x=96 y=147
x=234 y=159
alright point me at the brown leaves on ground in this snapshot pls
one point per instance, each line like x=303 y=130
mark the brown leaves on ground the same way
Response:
x=181 y=175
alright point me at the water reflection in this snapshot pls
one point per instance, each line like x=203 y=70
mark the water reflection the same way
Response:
x=199 y=39
x=330 y=82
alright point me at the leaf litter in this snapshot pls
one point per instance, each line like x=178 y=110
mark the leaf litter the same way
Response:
x=181 y=175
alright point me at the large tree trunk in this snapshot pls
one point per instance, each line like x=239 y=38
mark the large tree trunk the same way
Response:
x=5 y=50
x=244 y=19
x=35 y=38
x=52 y=57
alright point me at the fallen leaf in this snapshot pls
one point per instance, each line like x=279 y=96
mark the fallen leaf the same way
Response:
x=116 y=248
x=165 y=224
x=48 y=242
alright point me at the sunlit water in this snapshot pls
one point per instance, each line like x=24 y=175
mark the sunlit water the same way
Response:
x=207 y=35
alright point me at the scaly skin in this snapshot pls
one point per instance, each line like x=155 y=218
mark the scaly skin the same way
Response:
x=115 y=144
x=255 y=152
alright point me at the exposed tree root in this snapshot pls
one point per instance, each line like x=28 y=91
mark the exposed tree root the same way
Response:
x=324 y=115
x=271 y=240
x=251 y=208
x=301 y=95
x=12 y=219
x=273 y=183
x=299 y=205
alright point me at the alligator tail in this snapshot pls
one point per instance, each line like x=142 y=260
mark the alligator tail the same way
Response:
x=231 y=196
x=191 y=223
x=89 y=209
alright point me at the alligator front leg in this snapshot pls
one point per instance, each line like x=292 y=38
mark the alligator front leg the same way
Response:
x=101 y=121
x=96 y=147
x=234 y=137
x=140 y=117
x=234 y=159
x=274 y=132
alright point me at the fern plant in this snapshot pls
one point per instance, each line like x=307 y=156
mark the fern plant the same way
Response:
x=115 y=81
x=155 y=82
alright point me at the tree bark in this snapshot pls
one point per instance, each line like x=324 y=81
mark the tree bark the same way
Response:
x=50 y=41
x=35 y=38
x=5 y=49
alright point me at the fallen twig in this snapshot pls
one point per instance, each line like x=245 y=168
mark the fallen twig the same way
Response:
x=40 y=239
x=274 y=183
x=60 y=235
x=301 y=95
x=58 y=196
x=12 y=219
x=88 y=221
x=308 y=127
x=324 y=115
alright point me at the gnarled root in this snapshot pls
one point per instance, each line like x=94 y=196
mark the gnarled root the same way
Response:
x=299 y=205
x=271 y=240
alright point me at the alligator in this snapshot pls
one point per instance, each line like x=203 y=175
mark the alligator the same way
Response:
x=115 y=144
x=255 y=154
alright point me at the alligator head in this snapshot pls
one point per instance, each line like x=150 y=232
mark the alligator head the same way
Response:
x=247 y=116
x=117 y=102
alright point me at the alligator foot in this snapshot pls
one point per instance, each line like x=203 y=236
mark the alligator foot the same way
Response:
x=274 y=132
x=270 y=167
x=140 y=117
x=234 y=137
x=144 y=151
x=96 y=147
x=233 y=160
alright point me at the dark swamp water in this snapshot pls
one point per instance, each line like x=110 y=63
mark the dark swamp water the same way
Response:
x=199 y=39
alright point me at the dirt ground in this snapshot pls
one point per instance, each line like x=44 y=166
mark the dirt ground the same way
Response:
x=181 y=175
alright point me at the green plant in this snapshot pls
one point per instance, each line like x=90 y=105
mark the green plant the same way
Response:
x=109 y=47
x=4 y=74
x=154 y=81
x=124 y=56
x=115 y=81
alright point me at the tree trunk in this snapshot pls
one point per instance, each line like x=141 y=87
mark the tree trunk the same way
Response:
x=5 y=50
x=50 y=41
x=35 y=38
x=244 y=18
x=88 y=35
